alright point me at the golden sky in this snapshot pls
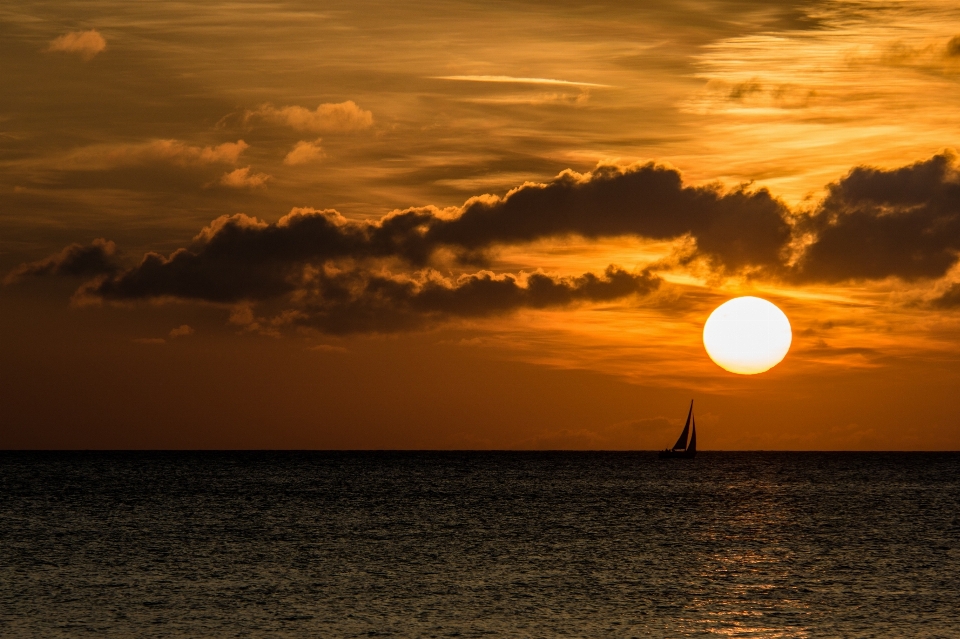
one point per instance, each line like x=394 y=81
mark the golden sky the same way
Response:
x=465 y=225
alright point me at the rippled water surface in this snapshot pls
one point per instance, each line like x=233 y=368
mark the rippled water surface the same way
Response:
x=479 y=544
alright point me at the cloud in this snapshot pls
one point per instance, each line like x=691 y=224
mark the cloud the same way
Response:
x=86 y=44
x=953 y=47
x=877 y=223
x=342 y=275
x=215 y=270
x=238 y=257
x=949 y=299
x=508 y=79
x=327 y=118
x=243 y=179
x=76 y=260
x=181 y=331
x=733 y=229
x=176 y=152
x=359 y=301
x=578 y=99
x=304 y=152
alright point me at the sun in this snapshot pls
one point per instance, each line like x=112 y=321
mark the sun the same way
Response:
x=747 y=335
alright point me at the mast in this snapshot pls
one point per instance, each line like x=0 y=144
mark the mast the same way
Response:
x=682 y=441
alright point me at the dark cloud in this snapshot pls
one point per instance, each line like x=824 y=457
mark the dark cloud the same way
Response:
x=187 y=275
x=359 y=301
x=822 y=349
x=949 y=299
x=734 y=229
x=239 y=258
x=76 y=260
x=953 y=47
x=343 y=275
x=878 y=223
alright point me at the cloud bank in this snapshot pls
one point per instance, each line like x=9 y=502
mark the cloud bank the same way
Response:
x=343 y=275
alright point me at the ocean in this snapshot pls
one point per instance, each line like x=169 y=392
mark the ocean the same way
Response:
x=478 y=544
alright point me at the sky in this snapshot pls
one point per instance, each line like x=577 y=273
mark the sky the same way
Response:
x=467 y=225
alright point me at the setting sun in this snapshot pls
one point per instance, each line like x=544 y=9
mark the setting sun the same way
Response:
x=747 y=335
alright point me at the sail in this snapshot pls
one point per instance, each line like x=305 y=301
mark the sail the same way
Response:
x=692 y=448
x=682 y=441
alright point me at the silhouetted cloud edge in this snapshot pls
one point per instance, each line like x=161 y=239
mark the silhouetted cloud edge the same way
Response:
x=872 y=224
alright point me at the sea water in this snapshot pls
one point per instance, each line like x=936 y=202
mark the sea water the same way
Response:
x=477 y=544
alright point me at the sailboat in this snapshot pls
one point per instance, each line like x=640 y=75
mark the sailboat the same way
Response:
x=682 y=449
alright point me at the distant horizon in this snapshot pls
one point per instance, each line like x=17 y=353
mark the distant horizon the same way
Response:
x=436 y=450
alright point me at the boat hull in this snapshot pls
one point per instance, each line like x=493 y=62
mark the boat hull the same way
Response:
x=677 y=454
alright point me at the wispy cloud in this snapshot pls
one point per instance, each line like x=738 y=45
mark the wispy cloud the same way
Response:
x=509 y=79
x=573 y=99
x=871 y=83
x=243 y=179
x=86 y=44
x=303 y=152
x=176 y=152
x=183 y=330
x=326 y=118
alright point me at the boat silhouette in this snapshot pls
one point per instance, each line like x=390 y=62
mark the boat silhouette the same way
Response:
x=682 y=449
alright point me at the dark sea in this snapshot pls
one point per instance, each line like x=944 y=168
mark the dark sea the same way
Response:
x=478 y=544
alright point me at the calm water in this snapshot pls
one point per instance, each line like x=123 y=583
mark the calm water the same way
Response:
x=479 y=544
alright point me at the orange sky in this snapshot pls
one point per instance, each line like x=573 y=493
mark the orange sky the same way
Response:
x=453 y=225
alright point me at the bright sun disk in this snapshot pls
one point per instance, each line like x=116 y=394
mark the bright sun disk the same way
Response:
x=747 y=335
